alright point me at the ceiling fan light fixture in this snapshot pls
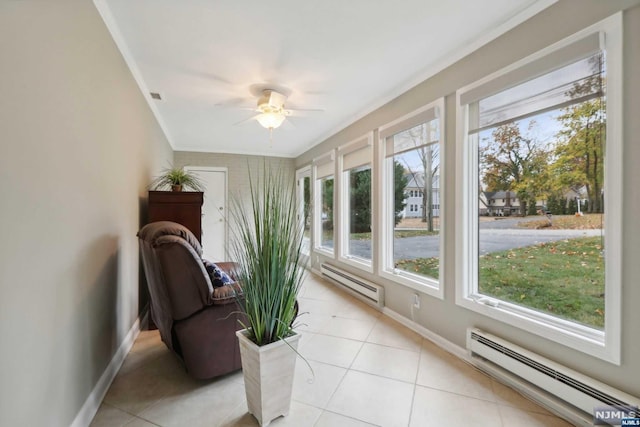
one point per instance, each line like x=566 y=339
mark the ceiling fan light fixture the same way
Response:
x=271 y=119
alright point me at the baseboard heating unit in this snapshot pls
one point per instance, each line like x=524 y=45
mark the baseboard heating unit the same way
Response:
x=372 y=292
x=578 y=390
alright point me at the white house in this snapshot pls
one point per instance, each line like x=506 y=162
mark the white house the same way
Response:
x=414 y=193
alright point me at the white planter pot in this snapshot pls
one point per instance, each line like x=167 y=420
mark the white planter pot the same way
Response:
x=268 y=376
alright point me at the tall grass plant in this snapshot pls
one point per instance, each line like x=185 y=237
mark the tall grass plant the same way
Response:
x=266 y=244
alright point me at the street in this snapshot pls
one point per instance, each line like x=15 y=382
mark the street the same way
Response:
x=498 y=235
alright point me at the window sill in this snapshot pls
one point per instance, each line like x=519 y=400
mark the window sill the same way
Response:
x=422 y=284
x=328 y=252
x=360 y=263
x=573 y=335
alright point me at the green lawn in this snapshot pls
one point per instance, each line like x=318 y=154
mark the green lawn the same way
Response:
x=564 y=278
x=424 y=266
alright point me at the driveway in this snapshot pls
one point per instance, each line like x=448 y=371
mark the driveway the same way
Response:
x=498 y=235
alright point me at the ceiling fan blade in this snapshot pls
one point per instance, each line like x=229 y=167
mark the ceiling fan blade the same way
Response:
x=293 y=107
x=304 y=112
x=246 y=120
x=312 y=110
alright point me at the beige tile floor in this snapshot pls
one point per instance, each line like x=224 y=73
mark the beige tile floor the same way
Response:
x=367 y=371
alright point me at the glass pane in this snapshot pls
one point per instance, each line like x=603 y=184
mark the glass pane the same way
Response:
x=326 y=215
x=306 y=189
x=416 y=240
x=541 y=220
x=306 y=213
x=418 y=135
x=359 y=243
x=580 y=79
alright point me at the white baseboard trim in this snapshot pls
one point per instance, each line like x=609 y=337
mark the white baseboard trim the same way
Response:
x=443 y=343
x=539 y=396
x=92 y=404
x=417 y=328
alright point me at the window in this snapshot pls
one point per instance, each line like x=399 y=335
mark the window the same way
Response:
x=413 y=158
x=324 y=199
x=303 y=178
x=533 y=136
x=356 y=202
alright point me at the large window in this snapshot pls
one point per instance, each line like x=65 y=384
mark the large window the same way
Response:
x=303 y=179
x=356 y=202
x=324 y=201
x=539 y=152
x=413 y=221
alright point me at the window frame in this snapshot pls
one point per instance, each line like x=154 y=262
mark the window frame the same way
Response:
x=344 y=206
x=301 y=174
x=326 y=159
x=604 y=344
x=429 y=286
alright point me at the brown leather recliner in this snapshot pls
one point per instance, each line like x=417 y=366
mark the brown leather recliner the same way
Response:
x=200 y=330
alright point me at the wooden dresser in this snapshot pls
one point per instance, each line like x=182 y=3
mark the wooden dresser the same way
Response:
x=183 y=207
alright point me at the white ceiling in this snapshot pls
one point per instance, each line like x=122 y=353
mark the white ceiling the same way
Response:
x=347 y=57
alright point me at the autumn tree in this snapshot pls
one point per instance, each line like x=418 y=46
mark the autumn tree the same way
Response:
x=580 y=149
x=511 y=162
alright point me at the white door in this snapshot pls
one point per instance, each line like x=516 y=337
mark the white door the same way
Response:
x=214 y=211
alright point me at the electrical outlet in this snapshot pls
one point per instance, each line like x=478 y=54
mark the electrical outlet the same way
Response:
x=416 y=300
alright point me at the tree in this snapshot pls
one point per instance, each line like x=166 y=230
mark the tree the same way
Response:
x=327 y=203
x=430 y=161
x=360 y=187
x=580 y=149
x=512 y=162
x=557 y=204
x=400 y=181
x=307 y=201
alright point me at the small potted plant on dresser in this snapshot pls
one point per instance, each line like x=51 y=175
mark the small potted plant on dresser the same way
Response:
x=177 y=179
x=267 y=248
x=184 y=207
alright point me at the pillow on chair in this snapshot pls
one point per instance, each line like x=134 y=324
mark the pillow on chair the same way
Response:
x=217 y=276
x=225 y=289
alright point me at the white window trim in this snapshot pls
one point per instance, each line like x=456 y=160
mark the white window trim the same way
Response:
x=317 y=206
x=603 y=345
x=417 y=282
x=343 y=205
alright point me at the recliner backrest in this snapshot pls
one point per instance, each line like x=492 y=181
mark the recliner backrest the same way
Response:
x=178 y=282
x=188 y=285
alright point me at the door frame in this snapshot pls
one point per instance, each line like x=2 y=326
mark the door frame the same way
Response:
x=224 y=169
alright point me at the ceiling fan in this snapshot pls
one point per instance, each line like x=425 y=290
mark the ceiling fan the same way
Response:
x=270 y=109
